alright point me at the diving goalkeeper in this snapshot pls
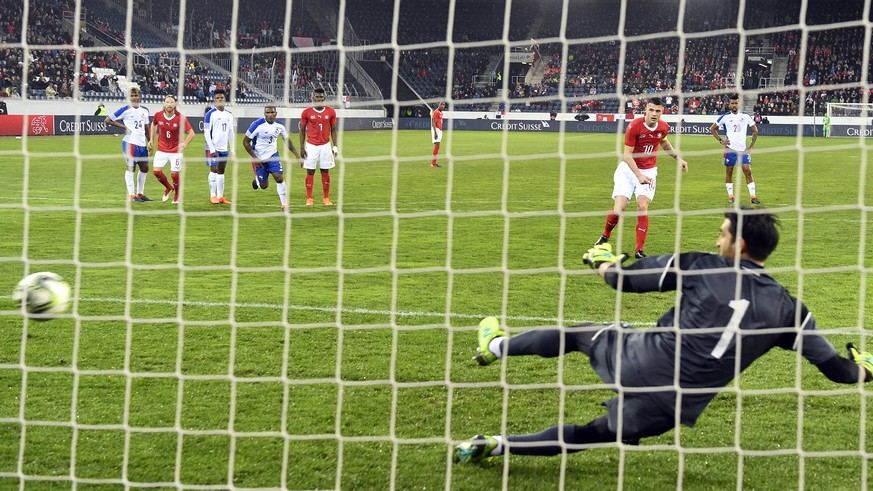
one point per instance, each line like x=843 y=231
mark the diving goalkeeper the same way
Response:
x=731 y=313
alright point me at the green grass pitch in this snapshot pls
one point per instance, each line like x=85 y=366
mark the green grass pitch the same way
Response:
x=328 y=318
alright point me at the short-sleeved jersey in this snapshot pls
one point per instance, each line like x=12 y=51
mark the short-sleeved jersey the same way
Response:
x=646 y=141
x=437 y=119
x=218 y=130
x=169 y=130
x=265 y=137
x=712 y=321
x=736 y=128
x=135 y=119
x=318 y=124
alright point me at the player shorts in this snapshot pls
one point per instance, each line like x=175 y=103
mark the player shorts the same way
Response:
x=221 y=157
x=175 y=160
x=641 y=411
x=134 y=154
x=730 y=158
x=641 y=414
x=436 y=134
x=626 y=184
x=318 y=155
x=272 y=165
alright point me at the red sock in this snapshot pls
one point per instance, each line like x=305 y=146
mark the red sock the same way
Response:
x=611 y=222
x=325 y=184
x=436 y=150
x=175 y=177
x=163 y=179
x=642 y=230
x=309 y=179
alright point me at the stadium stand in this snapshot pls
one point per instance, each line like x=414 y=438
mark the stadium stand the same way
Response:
x=589 y=76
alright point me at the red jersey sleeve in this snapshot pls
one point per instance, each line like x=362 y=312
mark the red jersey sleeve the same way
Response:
x=188 y=127
x=304 y=118
x=632 y=132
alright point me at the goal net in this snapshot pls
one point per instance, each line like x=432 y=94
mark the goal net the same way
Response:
x=849 y=120
x=242 y=345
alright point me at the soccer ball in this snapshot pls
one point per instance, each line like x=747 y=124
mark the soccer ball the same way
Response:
x=43 y=295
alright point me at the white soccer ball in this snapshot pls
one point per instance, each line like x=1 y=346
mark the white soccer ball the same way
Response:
x=43 y=295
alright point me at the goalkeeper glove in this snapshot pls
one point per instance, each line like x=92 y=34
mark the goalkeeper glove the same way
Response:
x=865 y=359
x=600 y=254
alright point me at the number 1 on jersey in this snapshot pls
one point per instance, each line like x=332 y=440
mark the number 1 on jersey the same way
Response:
x=739 y=307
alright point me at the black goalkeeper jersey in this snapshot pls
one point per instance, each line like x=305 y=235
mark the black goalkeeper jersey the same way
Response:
x=727 y=318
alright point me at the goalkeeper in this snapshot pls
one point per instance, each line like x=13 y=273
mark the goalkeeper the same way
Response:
x=726 y=300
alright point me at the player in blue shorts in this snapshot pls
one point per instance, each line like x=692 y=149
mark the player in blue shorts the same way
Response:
x=134 y=120
x=220 y=141
x=735 y=125
x=261 y=142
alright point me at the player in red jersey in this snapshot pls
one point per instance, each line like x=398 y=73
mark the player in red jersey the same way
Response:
x=317 y=130
x=169 y=125
x=436 y=131
x=638 y=169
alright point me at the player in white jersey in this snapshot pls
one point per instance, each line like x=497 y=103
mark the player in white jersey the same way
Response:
x=134 y=120
x=220 y=145
x=262 y=143
x=736 y=125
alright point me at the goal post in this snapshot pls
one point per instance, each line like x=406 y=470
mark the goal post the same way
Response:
x=848 y=120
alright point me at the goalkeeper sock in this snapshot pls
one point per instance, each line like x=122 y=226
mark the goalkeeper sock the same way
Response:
x=730 y=189
x=212 y=183
x=128 y=179
x=325 y=184
x=642 y=230
x=496 y=346
x=309 y=180
x=162 y=178
x=751 y=187
x=611 y=222
x=498 y=450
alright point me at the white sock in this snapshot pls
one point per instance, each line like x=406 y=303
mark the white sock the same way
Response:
x=730 y=189
x=212 y=183
x=140 y=182
x=280 y=190
x=498 y=450
x=751 y=187
x=128 y=179
x=496 y=346
x=219 y=185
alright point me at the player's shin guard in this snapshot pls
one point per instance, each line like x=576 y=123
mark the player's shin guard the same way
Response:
x=642 y=231
x=280 y=190
x=140 y=182
x=128 y=179
x=310 y=179
x=162 y=178
x=325 y=184
x=219 y=185
x=212 y=183
x=611 y=221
